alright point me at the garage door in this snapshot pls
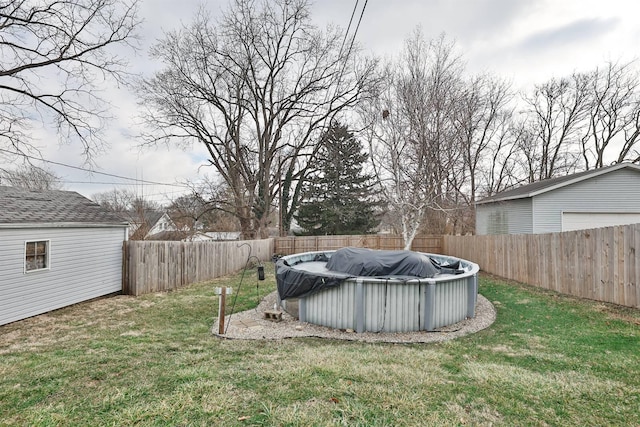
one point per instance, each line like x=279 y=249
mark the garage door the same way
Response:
x=583 y=220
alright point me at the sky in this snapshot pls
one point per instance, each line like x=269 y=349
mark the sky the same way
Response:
x=524 y=41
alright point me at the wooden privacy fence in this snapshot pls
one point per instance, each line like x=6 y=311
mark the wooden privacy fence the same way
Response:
x=153 y=266
x=602 y=264
x=294 y=245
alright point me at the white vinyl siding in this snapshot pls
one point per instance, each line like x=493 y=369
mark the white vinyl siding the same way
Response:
x=84 y=263
x=163 y=224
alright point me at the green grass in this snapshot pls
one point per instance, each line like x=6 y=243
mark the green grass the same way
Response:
x=151 y=360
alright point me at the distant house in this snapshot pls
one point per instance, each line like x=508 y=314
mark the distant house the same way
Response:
x=596 y=198
x=150 y=224
x=57 y=248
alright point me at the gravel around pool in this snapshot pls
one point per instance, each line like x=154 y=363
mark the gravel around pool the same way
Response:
x=252 y=325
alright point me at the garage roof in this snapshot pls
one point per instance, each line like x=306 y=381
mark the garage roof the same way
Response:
x=22 y=206
x=551 y=184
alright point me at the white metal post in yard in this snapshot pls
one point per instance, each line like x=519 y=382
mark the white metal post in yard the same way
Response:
x=223 y=292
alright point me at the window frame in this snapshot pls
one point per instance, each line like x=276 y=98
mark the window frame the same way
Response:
x=47 y=255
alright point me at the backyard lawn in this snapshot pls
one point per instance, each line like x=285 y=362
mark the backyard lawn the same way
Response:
x=151 y=360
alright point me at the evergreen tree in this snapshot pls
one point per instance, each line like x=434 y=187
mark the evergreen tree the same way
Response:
x=338 y=197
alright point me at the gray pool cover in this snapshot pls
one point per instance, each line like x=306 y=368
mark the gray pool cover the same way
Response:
x=354 y=262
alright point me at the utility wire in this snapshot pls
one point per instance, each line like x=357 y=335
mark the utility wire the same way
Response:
x=353 y=13
x=353 y=39
x=91 y=171
x=108 y=183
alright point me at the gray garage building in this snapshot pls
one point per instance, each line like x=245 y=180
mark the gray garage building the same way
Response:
x=57 y=248
x=596 y=198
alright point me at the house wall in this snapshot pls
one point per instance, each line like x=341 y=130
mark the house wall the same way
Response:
x=163 y=224
x=507 y=217
x=614 y=192
x=84 y=263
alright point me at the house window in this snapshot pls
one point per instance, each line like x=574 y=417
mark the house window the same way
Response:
x=36 y=255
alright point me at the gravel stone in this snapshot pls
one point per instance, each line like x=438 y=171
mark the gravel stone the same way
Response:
x=252 y=325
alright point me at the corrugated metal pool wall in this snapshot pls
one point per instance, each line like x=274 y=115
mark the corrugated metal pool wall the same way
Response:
x=450 y=302
x=378 y=305
x=392 y=306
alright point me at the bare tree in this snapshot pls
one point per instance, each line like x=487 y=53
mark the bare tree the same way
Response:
x=117 y=200
x=125 y=201
x=256 y=89
x=502 y=168
x=206 y=208
x=412 y=134
x=483 y=110
x=131 y=207
x=30 y=177
x=614 y=116
x=556 y=116
x=54 y=55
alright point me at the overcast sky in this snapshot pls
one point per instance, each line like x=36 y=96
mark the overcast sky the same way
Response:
x=526 y=41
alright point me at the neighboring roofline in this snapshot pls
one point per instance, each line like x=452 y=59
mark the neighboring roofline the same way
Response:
x=31 y=225
x=554 y=185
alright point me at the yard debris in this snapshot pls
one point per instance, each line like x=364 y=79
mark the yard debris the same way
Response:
x=273 y=315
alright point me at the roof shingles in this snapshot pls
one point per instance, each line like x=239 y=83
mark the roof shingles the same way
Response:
x=538 y=187
x=20 y=206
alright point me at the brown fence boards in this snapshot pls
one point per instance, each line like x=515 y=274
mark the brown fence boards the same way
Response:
x=155 y=266
x=601 y=264
x=299 y=244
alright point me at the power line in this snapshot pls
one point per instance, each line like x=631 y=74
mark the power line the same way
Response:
x=96 y=172
x=346 y=33
x=109 y=183
x=353 y=39
x=344 y=65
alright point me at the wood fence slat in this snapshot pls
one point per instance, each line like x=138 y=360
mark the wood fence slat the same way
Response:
x=636 y=254
x=601 y=264
x=628 y=266
x=156 y=266
x=290 y=245
x=598 y=281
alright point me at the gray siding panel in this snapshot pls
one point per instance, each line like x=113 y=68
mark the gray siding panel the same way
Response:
x=616 y=191
x=508 y=217
x=84 y=263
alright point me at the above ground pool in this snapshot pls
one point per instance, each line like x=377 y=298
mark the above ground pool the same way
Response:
x=377 y=291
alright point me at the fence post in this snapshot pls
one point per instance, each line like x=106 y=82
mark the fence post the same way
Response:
x=125 y=267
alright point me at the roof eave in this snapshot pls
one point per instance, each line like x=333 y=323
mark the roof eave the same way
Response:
x=63 y=225
x=504 y=199
x=595 y=173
